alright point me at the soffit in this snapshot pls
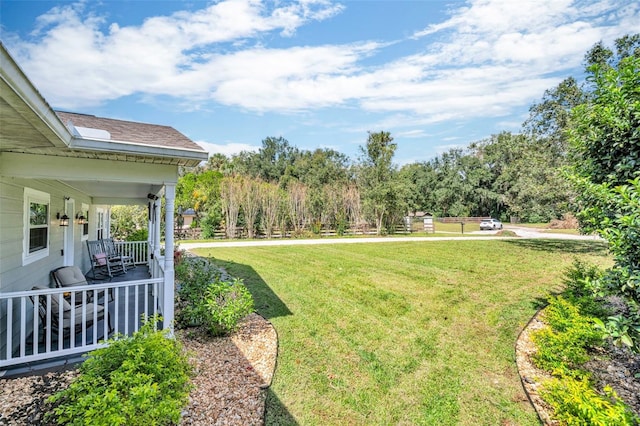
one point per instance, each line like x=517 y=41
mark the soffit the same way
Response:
x=21 y=127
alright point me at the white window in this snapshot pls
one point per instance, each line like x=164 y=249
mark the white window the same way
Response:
x=37 y=212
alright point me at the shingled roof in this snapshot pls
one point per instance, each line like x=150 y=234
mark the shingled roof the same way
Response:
x=131 y=131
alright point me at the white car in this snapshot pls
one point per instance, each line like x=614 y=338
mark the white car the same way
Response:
x=490 y=224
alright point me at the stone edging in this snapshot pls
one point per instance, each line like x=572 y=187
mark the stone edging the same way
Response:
x=532 y=377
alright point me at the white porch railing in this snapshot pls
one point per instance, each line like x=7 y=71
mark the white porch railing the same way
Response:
x=136 y=250
x=29 y=317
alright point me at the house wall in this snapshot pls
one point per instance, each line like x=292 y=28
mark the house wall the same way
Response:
x=14 y=276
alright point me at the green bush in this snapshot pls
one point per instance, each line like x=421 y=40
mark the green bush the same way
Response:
x=342 y=226
x=138 y=380
x=562 y=346
x=203 y=299
x=210 y=222
x=138 y=235
x=582 y=289
x=562 y=349
x=226 y=303
x=193 y=275
x=576 y=403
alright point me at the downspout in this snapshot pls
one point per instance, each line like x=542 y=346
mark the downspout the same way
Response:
x=150 y=241
x=156 y=228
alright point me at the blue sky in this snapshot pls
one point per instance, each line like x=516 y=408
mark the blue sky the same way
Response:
x=436 y=74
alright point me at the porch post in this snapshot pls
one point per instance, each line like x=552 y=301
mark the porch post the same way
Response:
x=170 y=194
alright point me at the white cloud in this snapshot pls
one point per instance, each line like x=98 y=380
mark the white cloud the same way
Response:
x=489 y=57
x=227 y=149
x=411 y=134
x=76 y=62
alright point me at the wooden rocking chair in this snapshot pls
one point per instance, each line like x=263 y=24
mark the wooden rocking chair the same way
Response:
x=103 y=264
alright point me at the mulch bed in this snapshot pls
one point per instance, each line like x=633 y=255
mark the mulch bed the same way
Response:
x=231 y=377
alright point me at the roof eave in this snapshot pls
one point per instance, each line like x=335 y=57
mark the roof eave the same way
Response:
x=190 y=156
x=15 y=78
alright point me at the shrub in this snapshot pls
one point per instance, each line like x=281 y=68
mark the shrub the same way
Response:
x=562 y=349
x=138 y=380
x=576 y=403
x=562 y=346
x=581 y=281
x=193 y=275
x=210 y=223
x=204 y=299
x=341 y=227
x=138 y=235
x=225 y=304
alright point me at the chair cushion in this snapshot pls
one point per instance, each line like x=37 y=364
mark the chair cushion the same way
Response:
x=101 y=259
x=55 y=306
x=70 y=276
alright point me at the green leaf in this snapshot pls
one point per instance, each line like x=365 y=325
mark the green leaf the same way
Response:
x=626 y=340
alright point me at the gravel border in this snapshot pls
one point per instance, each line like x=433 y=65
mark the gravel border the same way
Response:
x=231 y=378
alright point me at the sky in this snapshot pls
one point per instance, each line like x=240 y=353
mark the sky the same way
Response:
x=435 y=74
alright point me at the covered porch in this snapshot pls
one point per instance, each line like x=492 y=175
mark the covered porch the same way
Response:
x=60 y=174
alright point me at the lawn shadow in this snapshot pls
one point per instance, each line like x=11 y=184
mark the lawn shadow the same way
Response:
x=269 y=305
x=275 y=412
x=598 y=248
x=267 y=302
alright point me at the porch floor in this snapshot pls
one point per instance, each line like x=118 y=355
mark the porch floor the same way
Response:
x=126 y=319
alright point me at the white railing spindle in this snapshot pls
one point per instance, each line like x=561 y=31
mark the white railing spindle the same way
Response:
x=22 y=310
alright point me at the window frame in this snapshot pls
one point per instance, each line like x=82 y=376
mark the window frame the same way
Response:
x=101 y=215
x=35 y=197
x=84 y=233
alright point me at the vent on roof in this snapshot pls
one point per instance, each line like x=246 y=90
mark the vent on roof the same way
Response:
x=88 y=132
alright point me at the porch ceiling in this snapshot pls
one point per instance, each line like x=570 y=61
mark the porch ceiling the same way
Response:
x=115 y=193
x=105 y=181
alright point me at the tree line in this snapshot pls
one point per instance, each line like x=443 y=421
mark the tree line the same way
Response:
x=578 y=151
x=281 y=187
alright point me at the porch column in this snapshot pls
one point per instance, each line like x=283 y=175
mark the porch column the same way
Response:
x=170 y=194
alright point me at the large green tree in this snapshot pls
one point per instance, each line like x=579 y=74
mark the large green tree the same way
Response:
x=380 y=185
x=272 y=163
x=549 y=119
x=605 y=138
x=318 y=169
x=527 y=177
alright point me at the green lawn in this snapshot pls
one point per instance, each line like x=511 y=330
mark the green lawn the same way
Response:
x=401 y=333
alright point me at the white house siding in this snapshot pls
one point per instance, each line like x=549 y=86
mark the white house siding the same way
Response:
x=13 y=276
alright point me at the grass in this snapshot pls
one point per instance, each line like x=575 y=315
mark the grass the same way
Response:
x=401 y=333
